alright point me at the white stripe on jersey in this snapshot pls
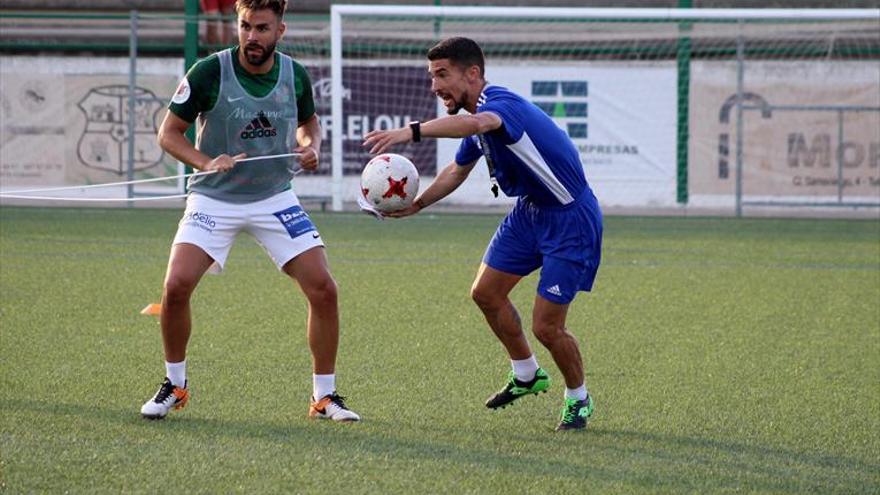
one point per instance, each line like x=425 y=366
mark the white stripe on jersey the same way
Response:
x=527 y=152
x=482 y=99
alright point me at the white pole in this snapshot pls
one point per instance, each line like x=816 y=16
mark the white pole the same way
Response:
x=336 y=150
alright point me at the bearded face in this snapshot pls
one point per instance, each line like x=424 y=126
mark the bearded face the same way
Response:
x=258 y=34
x=449 y=83
x=257 y=54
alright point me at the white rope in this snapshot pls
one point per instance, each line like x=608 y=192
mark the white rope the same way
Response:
x=268 y=157
x=58 y=198
x=108 y=184
x=18 y=193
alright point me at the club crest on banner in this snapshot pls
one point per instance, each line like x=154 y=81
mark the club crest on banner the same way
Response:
x=105 y=139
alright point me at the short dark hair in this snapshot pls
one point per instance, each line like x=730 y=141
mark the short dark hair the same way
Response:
x=463 y=52
x=276 y=6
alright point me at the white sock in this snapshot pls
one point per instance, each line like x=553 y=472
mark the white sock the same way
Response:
x=176 y=372
x=323 y=385
x=524 y=369
x=579 y=393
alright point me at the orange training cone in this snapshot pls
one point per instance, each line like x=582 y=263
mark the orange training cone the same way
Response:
x=152 y=309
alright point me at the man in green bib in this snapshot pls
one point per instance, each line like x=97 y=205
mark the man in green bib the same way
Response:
x=247 y=101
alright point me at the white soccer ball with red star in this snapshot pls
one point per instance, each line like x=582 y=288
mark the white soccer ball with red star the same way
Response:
x=390 y=182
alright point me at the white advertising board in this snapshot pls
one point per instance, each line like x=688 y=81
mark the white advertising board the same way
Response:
x=621 y=117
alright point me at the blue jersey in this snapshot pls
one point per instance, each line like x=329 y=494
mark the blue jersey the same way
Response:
x=532 y=157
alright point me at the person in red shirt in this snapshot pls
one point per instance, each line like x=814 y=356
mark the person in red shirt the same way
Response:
x=220 y=30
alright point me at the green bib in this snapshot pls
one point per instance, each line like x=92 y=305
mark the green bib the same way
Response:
x=241 y=123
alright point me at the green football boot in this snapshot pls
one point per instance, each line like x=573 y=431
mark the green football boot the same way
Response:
x=516 y=389
x=575 y=414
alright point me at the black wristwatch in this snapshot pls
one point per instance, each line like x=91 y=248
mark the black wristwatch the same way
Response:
x=416 y=128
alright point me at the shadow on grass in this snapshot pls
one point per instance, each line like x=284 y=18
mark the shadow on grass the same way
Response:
x=654 y=461
x=775 y=468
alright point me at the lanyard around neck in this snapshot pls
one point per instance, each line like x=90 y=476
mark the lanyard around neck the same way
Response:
x=490 y=163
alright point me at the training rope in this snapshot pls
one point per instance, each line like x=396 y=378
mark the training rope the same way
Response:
x=59 y=198
x=25 y=193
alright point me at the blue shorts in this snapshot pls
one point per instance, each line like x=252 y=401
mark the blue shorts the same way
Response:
x=565 y=242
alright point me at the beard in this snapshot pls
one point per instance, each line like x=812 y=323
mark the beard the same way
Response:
x=456 y=107
x=259 y=58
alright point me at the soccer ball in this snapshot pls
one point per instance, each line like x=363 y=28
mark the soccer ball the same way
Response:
x=389 y=182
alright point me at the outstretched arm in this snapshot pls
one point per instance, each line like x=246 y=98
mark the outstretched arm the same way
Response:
x=451 y=126
x=446 y=181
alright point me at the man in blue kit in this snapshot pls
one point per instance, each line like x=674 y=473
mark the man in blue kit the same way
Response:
x=556 y=224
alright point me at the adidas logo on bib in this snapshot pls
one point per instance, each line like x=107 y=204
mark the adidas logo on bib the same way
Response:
x=259 y=127
x=555 y=290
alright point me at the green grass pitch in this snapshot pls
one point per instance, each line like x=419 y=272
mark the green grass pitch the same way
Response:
x=725 y=355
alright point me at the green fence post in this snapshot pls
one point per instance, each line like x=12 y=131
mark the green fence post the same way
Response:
x=191 y=50
x=683 y=57
x=437 y=3
x=191 y=33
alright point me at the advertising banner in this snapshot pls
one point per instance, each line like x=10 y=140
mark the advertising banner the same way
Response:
x=810 y=129
x=376 y=97
x=621 y=117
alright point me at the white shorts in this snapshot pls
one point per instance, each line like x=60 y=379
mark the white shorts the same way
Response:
x=279 y=224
